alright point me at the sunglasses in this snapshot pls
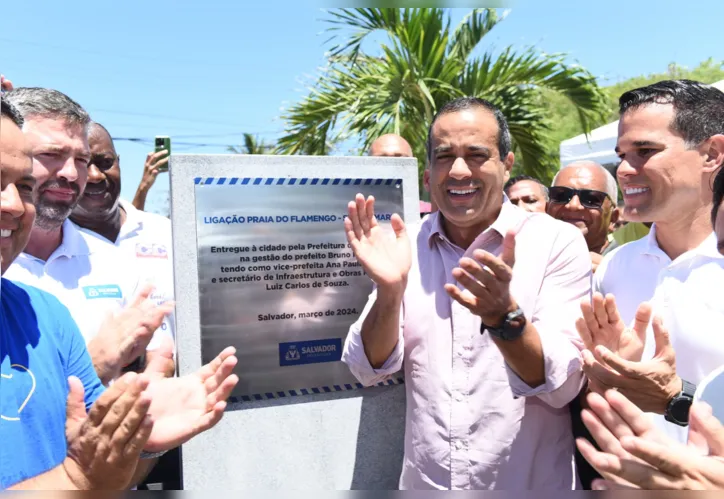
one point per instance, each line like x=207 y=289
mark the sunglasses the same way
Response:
x=587 y=197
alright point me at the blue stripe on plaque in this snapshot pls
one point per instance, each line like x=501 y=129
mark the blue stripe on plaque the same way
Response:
x=312 y=390
x=294 y=181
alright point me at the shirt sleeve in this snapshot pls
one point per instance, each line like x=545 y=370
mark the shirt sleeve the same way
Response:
x=567 y=280
x=79 y=362
x=356 y=359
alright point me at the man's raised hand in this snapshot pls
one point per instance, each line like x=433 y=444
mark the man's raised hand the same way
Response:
x=386 y=260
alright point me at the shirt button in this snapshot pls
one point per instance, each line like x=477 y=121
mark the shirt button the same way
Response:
x=458 y=445
x=458 y=397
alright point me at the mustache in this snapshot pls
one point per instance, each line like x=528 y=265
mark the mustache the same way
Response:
x=60 y=184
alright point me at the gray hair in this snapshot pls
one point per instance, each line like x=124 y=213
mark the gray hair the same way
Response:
x=611 y=184
x=47 y=103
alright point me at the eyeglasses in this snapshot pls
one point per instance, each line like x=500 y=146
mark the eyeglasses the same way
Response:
x=588 y=197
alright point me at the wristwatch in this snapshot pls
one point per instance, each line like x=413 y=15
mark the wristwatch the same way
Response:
x=677 y=411
x=511 y=328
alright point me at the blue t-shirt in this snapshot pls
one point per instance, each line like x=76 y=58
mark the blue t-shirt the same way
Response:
x=40 y=346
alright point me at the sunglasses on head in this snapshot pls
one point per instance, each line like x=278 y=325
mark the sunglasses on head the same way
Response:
x=587 y=197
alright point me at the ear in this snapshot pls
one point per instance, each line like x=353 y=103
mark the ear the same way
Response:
x=508 y=162
x=426 y=179
x=714 y=153
x=615 y=215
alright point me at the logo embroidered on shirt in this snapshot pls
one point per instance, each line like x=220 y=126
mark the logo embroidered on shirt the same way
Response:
x=151 y=251
x=103 y=291
x=27 y=398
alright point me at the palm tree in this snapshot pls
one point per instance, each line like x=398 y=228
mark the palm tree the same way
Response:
x=252 y=145
x=424 y=63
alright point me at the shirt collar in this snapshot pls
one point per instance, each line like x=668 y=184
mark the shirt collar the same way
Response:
x=510 y=218
x=708 y=246
x=72 y=244
x=133 y=220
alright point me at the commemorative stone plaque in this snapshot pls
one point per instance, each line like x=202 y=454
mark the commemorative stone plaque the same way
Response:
x=278 y=280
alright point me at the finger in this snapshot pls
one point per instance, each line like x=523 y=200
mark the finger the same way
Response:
x=584 y=333
x=508 y=253
x=75 y=406
x=626 y=368
x=103 y=404
x=213 y=382
x=353 y=215
x=470 y=275
x=635 y=418
x=130 y=424
x=138 y=440
x=161 y=162
x=599 y=309
x=641 y=321
x=208 y=370
x=661 y=339
x=656 y=455
x=496 y=265
x=594 y=369
x=143 y=295
x=210 y=419
x=158 y=155
x=599 y=460
x=222 y=393
x=123 y=405
x=398 y=226
x=611 y=309
x=362 y=211
x=466 y=299
x=599 y=484
x=370 y=211
x=352 y=238
x=608 y=415
x=637 y=473
x=472 y=285
x=703 y=422
x=590 y=318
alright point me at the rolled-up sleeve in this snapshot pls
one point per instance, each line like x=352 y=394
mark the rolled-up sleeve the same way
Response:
x=354 y=352
x=566 y=281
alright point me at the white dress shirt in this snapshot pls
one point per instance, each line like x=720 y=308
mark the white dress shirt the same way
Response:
x=685 y=292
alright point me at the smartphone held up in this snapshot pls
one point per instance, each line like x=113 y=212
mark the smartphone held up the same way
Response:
x=163 y=142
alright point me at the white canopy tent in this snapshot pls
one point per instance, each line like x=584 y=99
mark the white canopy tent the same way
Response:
x=599 y=145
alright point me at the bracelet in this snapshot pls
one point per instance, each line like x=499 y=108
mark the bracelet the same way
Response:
x=152 y=455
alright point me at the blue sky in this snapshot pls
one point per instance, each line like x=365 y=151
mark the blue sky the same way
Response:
x=205 y=72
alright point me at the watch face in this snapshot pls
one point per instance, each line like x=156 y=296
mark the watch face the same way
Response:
x=680 y=409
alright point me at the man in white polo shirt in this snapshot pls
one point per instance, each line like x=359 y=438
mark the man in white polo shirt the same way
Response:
x=143 y=237
x=97 y=283
x=671 y=143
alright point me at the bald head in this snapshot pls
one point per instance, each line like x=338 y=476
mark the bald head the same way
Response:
x=600 y=179
x=391 y=145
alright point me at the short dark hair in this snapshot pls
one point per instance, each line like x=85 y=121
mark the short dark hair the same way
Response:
x=514 y=180
x=698 y=108
x=8 y=111
x=47 y=103
x=464 y=103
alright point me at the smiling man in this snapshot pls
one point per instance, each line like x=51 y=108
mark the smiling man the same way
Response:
x=477 y=303
x=142 y=237
x=527 y=193
x=671 y=144
x=584 y=194
x=98 y=283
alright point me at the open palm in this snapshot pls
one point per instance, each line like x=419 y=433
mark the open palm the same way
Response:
x=386 y=260
x=182 y=408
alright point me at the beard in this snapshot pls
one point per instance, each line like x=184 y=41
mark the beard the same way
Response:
x=50 y=215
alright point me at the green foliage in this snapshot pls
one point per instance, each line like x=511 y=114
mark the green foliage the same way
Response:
x=422 y=63
x=252 y=145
